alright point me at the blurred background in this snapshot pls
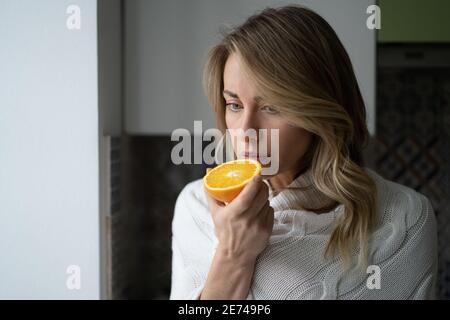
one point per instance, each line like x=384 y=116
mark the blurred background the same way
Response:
x=91 y=90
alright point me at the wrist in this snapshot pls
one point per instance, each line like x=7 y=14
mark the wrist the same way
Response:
x=228 y=278
x=241 y=260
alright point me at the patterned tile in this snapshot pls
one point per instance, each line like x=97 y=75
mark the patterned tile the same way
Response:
x=409 y=149
x=412 y=145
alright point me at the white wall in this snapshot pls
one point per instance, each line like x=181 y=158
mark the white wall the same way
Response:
x=166 y=45
x=48 y=150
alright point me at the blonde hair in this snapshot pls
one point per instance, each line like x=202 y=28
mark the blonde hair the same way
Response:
x=299 y=65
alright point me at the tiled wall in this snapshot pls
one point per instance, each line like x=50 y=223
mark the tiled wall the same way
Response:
x=412 y=145
x=151 y=187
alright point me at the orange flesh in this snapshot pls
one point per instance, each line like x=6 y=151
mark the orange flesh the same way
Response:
x=227 y=180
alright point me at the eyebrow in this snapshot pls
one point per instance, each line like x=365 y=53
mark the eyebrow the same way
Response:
x=234 y=95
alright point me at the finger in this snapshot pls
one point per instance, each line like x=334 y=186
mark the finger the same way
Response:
x=258 y=210
x=270 y=217
x=259 y=214
x=262 y=213
x=245 y=198
x=261 y=199
x=260 y=202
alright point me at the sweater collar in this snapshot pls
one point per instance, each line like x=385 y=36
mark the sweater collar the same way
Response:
x=301 y=194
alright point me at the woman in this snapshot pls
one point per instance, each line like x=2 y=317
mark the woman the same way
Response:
x=323 y=227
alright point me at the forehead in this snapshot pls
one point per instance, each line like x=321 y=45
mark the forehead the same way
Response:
x=235 y=79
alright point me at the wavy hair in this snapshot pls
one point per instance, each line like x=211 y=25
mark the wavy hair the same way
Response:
x=299 y=65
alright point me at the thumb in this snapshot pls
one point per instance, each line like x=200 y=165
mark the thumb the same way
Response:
x=251 y=189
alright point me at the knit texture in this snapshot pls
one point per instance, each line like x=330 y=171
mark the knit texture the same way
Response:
x=403 y=246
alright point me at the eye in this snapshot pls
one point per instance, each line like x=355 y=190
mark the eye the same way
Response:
x=270 y=109
x=233 y=107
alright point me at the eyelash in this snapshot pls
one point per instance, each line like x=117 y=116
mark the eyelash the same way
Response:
x=229 y=106
x=273 y=111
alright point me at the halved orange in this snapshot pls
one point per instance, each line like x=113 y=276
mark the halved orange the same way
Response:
x=227 y=180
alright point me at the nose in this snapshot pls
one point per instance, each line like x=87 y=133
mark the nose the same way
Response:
x=249 y=120
x=249 y=126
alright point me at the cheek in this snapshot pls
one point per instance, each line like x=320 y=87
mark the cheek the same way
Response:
x=294 y=143
x=227 y=119
x=231 y=119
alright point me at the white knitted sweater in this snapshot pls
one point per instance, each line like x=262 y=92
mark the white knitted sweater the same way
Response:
x=403 y=246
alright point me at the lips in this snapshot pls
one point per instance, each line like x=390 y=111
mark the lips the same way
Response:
x=253 y=155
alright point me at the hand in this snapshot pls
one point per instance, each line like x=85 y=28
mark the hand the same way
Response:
x=243 y=226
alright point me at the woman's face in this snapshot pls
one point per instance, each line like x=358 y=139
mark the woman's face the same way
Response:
x=245 y=111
